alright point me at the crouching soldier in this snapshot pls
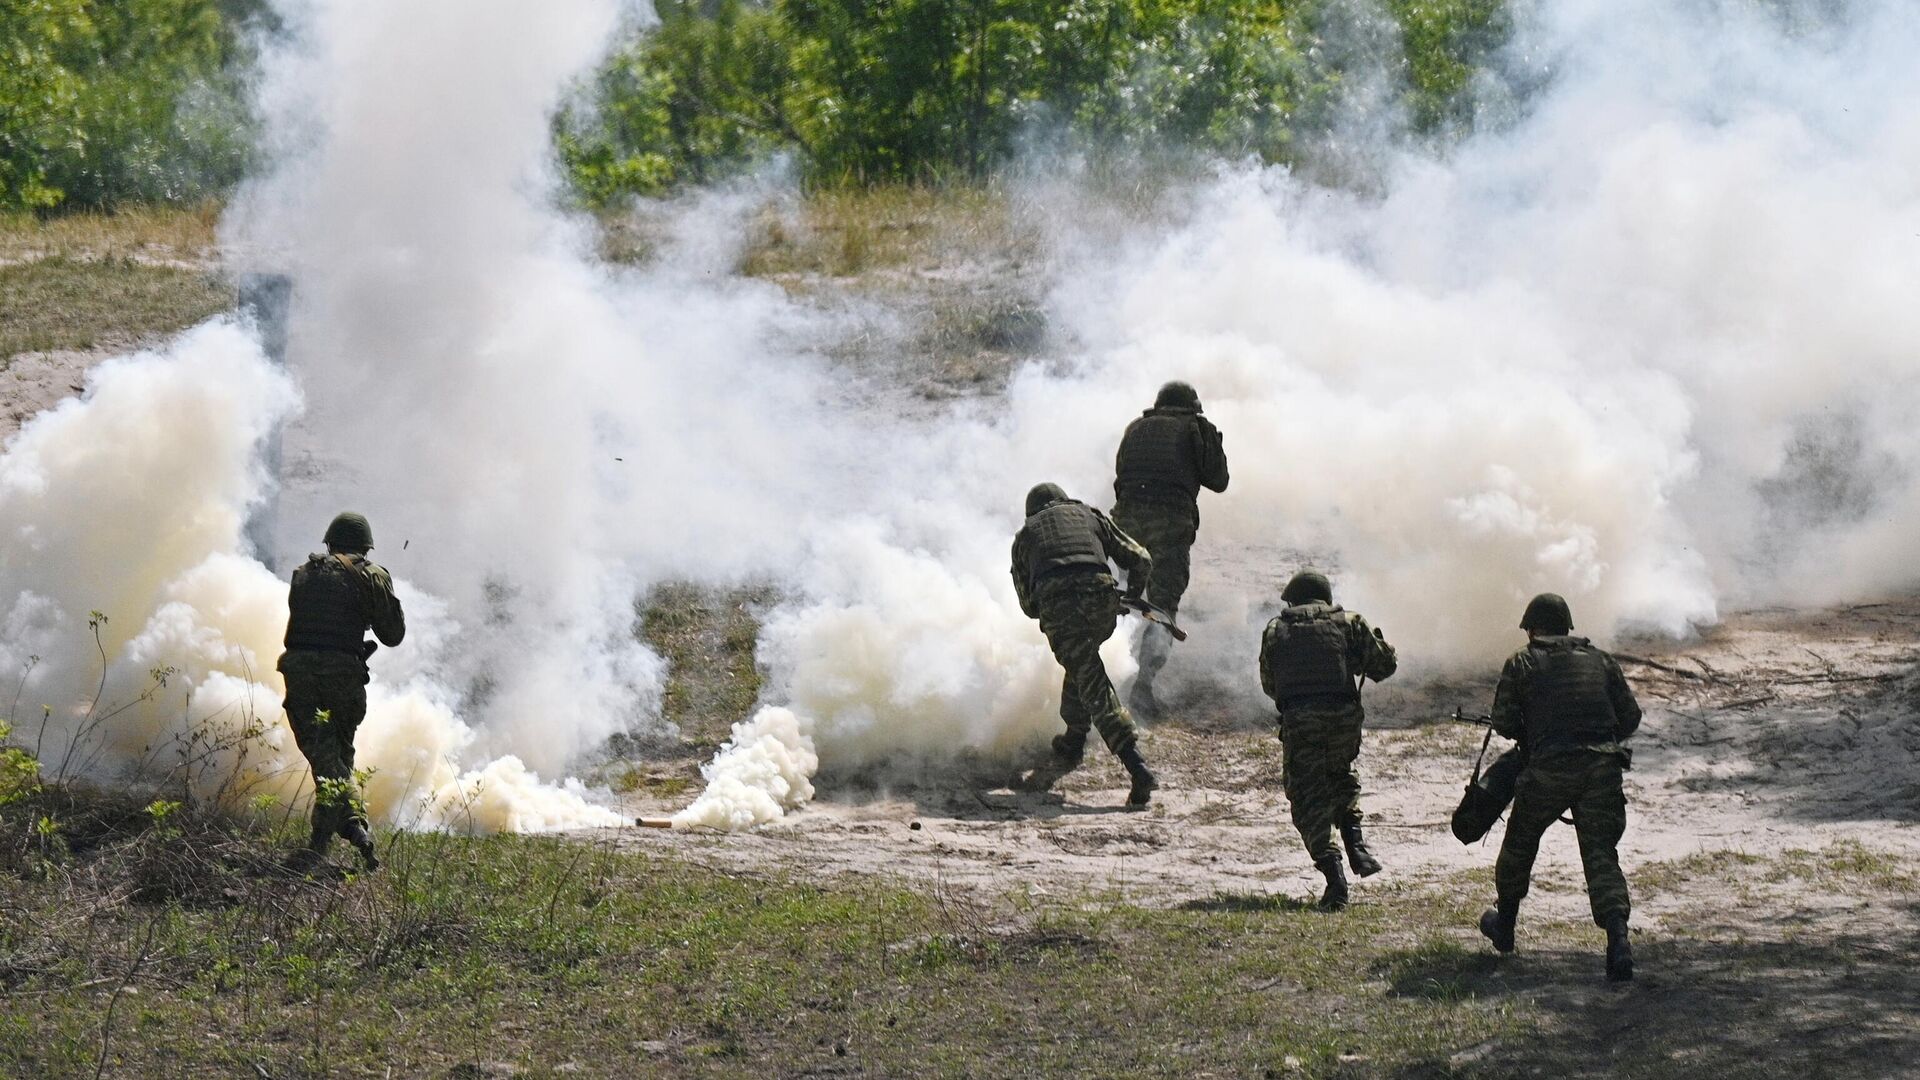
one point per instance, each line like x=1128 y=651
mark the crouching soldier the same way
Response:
x=1314 y=657
x=336 y=598
x=1061 y=576
x=1570 y=704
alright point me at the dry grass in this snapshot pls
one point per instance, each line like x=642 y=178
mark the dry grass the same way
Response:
x=89 y=281
x=62 y=302
x=150 y=234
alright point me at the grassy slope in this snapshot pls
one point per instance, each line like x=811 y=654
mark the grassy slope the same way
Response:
x=88 y=281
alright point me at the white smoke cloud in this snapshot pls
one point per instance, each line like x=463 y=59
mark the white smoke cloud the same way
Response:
x=1645 y=345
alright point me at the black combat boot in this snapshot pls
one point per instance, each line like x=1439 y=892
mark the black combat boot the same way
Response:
x=1497 y=924
x=1619 y=951
x=1358 y=857
x=356 y=834
x=1068 y=749
x=1144 y=782
x=1335 y=898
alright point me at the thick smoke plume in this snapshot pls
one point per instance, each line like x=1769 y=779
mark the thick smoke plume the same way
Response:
x=1645 y=344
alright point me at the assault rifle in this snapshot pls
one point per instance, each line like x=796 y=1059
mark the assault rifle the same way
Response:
x=1139 y=606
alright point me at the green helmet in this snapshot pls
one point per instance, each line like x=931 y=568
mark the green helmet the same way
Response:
x=350 y=532
x=1548 y=613
x=1308 y=587
x=1043 y=496
x=1178 y=395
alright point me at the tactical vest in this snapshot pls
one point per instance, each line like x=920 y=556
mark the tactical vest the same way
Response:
x=326 y=610
x=1062 y=535
x=1308 y=654
x=1567 y=700
x=1157 y=453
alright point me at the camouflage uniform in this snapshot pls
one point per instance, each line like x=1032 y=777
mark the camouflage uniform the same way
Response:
x=334 y=600
x=1572 y=706
x=1320 y=731
x=1078 y=605
x=1167 y=455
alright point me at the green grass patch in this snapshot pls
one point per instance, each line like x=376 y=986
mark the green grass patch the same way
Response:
x=157 y=233
x=548 y=956
x=708 y=637
x=62 y=302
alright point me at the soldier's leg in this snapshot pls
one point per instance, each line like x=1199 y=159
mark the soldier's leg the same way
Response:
x=1600 y=820
x=310 y=712
x=1171 y=572
x=1307 y=759
x=1346 y=799
x=1344 y=772
x=350 y=708
x=1539 y=798
x=1167 y=532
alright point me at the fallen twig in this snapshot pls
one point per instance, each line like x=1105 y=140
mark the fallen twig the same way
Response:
x=1658 y=666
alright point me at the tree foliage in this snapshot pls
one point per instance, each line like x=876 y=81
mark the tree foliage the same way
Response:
x=104 y=101
x=930 y=90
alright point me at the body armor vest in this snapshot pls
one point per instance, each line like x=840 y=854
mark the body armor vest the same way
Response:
x=1064 y=534
x=1567 y=700
x=1308 y=656
x=327 y=607
x=1157 y=453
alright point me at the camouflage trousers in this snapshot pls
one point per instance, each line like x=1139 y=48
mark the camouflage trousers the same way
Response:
x=1167 y=530
x=326 y=700
x=1589 y=784
x=1078 y=612
x=1319 y=745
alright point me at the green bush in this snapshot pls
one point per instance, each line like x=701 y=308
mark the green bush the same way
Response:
x=124 y=101
x=864 y=91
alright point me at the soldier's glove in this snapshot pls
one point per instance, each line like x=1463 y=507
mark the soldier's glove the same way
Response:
x=367 y=648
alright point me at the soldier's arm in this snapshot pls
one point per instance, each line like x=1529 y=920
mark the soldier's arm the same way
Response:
x=1210 y=453
x=1376 y=659
x=1626 y=709
x=1022 y=588
x=1266 y=649
x=389 y=623
x=1510 y=698
x=1127 y=552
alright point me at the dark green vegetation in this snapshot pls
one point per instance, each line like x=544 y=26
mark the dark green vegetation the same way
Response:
x=942 y=90
x=106 y=104
x=124 y=101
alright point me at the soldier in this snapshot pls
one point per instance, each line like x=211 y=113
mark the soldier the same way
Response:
x=1061 y=576
x=1572 y=707
x=1167 y=455
x=335 y=599
x=1314 y=657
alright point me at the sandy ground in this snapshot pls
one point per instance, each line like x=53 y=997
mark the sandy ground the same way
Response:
x=1776 y=748
x=1776 y=731
x=34 y=381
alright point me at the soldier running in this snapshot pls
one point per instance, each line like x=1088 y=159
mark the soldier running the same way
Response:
x=336 y=598
x=1573 y=708
x=1061 y=576
x=1314 y=657
x=1166 y=456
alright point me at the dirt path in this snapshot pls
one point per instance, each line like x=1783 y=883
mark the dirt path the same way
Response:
x=1773 y=848
x=1776 y=731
